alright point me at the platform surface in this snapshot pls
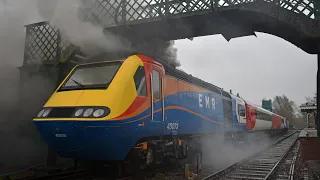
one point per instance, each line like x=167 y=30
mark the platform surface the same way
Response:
x=308 y=132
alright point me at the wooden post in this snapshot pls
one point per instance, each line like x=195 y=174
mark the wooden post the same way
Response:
x=318 y=99
x=186 y=170
x=199 y=162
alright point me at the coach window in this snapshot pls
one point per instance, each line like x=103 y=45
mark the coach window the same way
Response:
x=156 y=84
x=140 y=81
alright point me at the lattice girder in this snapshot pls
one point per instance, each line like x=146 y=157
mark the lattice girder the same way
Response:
x=115 y=12
x=44 y=45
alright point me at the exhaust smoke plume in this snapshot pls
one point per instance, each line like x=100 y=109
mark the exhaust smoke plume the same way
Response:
x=219 y=154
x=89 y=37
x=71 y=18
x=21 y=145
x=162 y=50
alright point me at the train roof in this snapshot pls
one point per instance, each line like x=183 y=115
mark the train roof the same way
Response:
x=180 y=74
x=260 y=108
x=264 y=110
x=237 y=98
x=169 y=69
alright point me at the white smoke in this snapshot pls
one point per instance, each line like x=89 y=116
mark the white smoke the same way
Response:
x=16 y=122
x=64 y=15
x=14 y=14
x=89 y=35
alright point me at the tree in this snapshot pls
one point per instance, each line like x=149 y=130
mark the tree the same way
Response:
x=287 y=108
x=284 y=107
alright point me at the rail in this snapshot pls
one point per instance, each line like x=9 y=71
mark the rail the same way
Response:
x=260 y=165
x=287 y=166
x=71 y=174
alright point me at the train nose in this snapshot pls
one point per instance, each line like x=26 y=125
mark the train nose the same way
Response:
x=60 y=134
x=67 y=138
x=83 y=140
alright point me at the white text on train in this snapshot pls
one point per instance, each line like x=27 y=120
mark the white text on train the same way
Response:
x=173 y=126
x=209 y=102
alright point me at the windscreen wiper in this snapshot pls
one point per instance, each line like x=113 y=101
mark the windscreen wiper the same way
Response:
x=79 y=84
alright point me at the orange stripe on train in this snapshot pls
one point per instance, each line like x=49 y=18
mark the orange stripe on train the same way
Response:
x=175 y=107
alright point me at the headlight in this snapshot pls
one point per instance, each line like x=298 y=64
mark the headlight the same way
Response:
x=78 y=112
x=91 y=112
x=46 y=112
x=98 y=112
x=41 y=113
x=88 y=112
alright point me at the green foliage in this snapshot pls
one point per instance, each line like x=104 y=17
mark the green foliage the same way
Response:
x=287 y=108
x=284 y=107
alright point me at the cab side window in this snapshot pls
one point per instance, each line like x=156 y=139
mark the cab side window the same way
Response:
x=241 y=110
x=156 y=84
x=140 y=81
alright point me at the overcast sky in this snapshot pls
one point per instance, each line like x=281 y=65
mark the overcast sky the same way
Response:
x=256 y=67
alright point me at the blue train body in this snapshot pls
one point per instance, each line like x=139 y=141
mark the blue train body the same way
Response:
x=92 y=139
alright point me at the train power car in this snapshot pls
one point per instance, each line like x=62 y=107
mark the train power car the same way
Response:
x=103 y=111
x=138 y=107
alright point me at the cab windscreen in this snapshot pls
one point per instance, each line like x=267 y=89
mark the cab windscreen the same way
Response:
x=91 y=76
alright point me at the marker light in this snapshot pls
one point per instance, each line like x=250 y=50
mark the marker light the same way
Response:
x=88 y=112
x=98 y=112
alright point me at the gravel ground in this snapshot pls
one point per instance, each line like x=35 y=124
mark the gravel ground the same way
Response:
x=309 y=170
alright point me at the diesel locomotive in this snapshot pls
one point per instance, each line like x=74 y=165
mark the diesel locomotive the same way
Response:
x=138 y=106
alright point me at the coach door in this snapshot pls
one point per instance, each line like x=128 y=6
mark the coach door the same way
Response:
x=157 y=94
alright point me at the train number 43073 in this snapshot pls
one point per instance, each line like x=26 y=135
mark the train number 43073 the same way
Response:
x=173 y=126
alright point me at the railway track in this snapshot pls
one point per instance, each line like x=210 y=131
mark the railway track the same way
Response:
x=68 y=174
x=259 y=166
x=286 y=168
x=84 y=174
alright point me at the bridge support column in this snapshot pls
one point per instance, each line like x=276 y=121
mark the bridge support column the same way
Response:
x=318 y=98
